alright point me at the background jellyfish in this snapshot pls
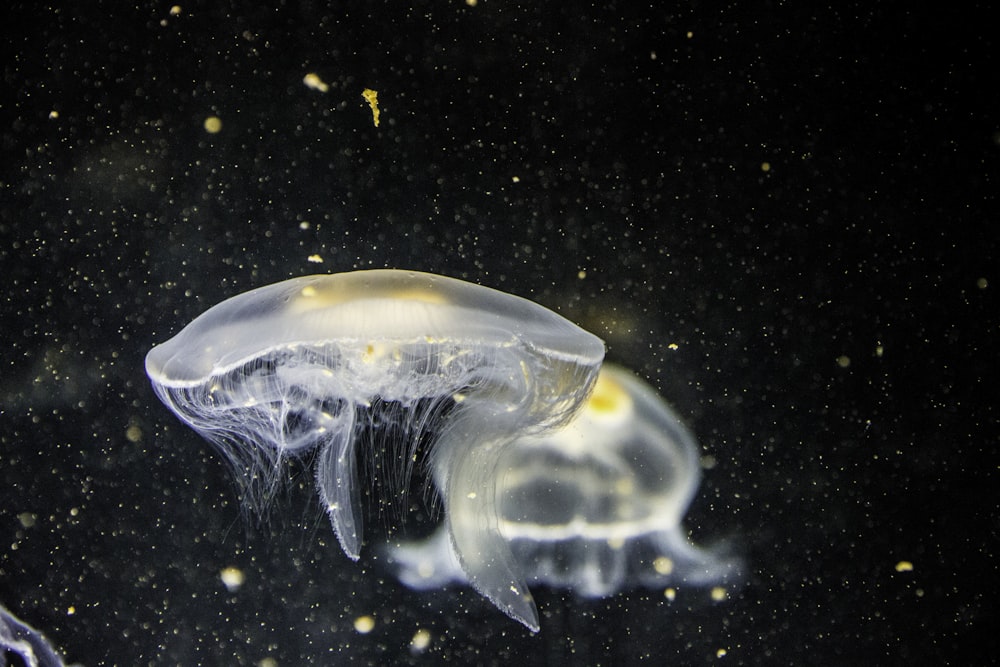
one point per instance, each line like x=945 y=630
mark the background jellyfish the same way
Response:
x=312 y=363
x=595 y=506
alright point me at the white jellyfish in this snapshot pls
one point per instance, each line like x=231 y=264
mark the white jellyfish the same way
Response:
x=20 y=639
x=311 y=364
x=595 y=506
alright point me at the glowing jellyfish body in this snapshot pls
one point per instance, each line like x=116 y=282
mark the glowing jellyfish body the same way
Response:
x=312 y=363
x=596 y=506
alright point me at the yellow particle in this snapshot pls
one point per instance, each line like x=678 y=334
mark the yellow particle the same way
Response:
x=718 y=594
x=670 y=594
x=53 y=114
x=315 y=259
x=71 y=610
x=175 y=10
x=268 y=662
x=663 y=565
x=213 y=124
x=27 y=519
x=581 y=274
x=371 y=97
x=515 y=179
x=673 y=346
x=765 y=166
x=364 y=624
x=843 y=361
x=982 y=283
x=232 y=578
x=721 y=653
x=133 y=433
x=904 y=566
x=689 y=34
x=471 y=3
x=313 y=81
x=421 y=640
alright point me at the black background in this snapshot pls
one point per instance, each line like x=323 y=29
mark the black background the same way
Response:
x=826 y=324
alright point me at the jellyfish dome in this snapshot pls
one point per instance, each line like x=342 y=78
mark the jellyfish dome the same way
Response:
x=309 y=365
x=595 y=506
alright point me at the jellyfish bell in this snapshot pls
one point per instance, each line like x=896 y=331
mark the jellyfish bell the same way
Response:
x=595 y=506
x=308 y=364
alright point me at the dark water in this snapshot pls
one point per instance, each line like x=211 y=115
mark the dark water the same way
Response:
x=784 y=218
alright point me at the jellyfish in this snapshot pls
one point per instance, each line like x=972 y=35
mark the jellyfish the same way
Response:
x=20 y=639
x=594 y=507
x=311 y=366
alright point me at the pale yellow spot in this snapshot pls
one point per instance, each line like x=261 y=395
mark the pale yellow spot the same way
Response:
x=721 y=653
x=471 y=495
x=268 y=662
x=843 y=361
x=515 y=179
x=765 y=166
x=53 y=114
x=421 y=640
x=27 y=519
x=673 y=346
x=904 y=566
x=616 y=543
x=175 y=10
x=314 y=82
x=670 y=594
x=213 y=124
x=719 y=594
x=425 y=569
x=663 y=565
x=581 y=274
x=232 y=578
x=364 y=624
x=315 y=259
x=371 y=97
x=133 y=433
x=471 y=3
x=982 y=283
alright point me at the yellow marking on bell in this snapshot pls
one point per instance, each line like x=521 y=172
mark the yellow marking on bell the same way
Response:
x=471 y=495
x=419 y=295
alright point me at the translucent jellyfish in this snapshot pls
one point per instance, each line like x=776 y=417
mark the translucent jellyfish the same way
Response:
x=17 y=638
x=314 y=365
x=596 y=506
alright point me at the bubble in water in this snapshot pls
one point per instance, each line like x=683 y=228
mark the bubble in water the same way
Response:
x=594 y=507
x=313 y=364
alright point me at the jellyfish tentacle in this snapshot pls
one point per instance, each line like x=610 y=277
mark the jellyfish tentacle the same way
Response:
x=337 y=477
x=469 y=476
